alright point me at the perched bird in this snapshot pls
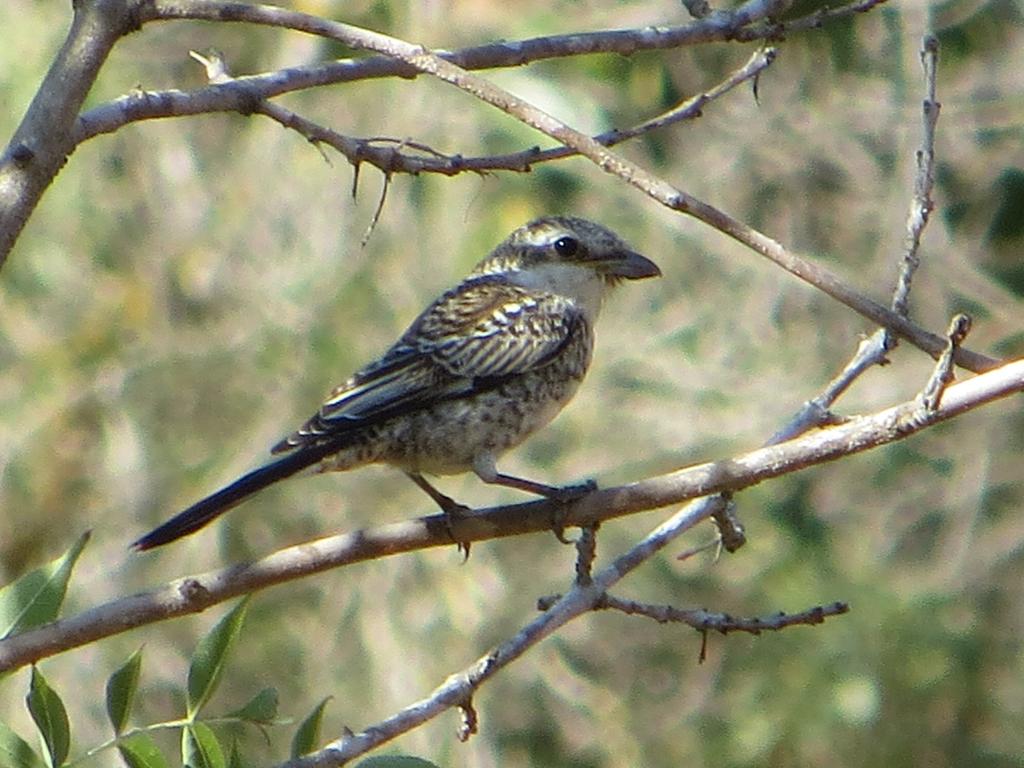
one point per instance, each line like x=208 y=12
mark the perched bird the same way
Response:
x=484 y=366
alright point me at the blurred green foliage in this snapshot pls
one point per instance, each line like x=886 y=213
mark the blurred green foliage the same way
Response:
x=189 y=289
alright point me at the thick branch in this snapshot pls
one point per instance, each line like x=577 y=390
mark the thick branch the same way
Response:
x=43 y=140
x=195 y=594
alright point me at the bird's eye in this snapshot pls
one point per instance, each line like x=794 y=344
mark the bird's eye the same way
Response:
x=567 y=246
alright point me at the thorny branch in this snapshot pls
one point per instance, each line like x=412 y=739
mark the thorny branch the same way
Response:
x=742 y=25
x=384 y=154
x=23 y=181
x=671 y=197
x=705 y=621
x=193 y=594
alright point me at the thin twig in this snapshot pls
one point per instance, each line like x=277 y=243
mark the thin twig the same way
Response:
x=874 y=350
x=921 y=204
x=942 y=374
x=390 y=159
x=703 y=620
x=698 y=548
x=376 y=215
x=688 y=109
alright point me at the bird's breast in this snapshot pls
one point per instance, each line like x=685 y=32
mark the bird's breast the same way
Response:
x=447 y=437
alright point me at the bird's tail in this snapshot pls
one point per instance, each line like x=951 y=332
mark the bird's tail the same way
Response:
x=213 y=506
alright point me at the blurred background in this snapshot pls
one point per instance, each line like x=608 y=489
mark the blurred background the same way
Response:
x=190 y=289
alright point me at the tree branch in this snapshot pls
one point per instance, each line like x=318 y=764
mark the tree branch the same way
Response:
x=44 y=139
x=386 y=155
x=51 y=128
x=709 y=621
x=874 y=350
x=921 y=204
x=196 y=593
x=671 y=197
x=584 y=596
x=425 y=61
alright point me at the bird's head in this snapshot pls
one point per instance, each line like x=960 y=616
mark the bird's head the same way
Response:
x=569 y=256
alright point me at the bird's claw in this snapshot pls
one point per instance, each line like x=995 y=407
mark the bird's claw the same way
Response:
x=564 y=495
x=455 y=511
x=558 y=526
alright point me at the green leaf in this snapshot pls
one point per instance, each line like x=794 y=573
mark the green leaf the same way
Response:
x=50 y=717
x=140 y=751
x=121 y=689
x=307 y=736
x=200 y=748
x=15 y=752
x=36 y=597
x=395 y=761
x=210 y=656
x=235 y=758
x=261 y=709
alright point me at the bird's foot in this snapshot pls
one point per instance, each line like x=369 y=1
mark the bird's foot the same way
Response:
x=565 y=494
x=558 y=525
x=454 y=512
x=451 y=509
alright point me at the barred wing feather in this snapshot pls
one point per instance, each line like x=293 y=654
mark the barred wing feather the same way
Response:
x=498 y=330
x=469 y=340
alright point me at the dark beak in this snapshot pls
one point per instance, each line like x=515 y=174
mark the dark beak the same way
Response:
x=631 y=266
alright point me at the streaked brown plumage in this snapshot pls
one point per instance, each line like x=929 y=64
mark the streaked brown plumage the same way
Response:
x=486 y=364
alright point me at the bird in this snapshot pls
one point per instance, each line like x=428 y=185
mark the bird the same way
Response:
x=485 y=365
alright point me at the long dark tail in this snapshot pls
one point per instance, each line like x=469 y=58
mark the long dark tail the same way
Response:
x=213 y=506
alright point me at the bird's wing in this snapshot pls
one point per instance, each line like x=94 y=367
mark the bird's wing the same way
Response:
x=467 y=341
x=493 y=329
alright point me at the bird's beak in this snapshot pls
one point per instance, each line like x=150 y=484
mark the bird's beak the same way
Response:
x=631 y=266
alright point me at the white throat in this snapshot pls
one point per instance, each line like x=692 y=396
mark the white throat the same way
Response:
x=584 y=286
